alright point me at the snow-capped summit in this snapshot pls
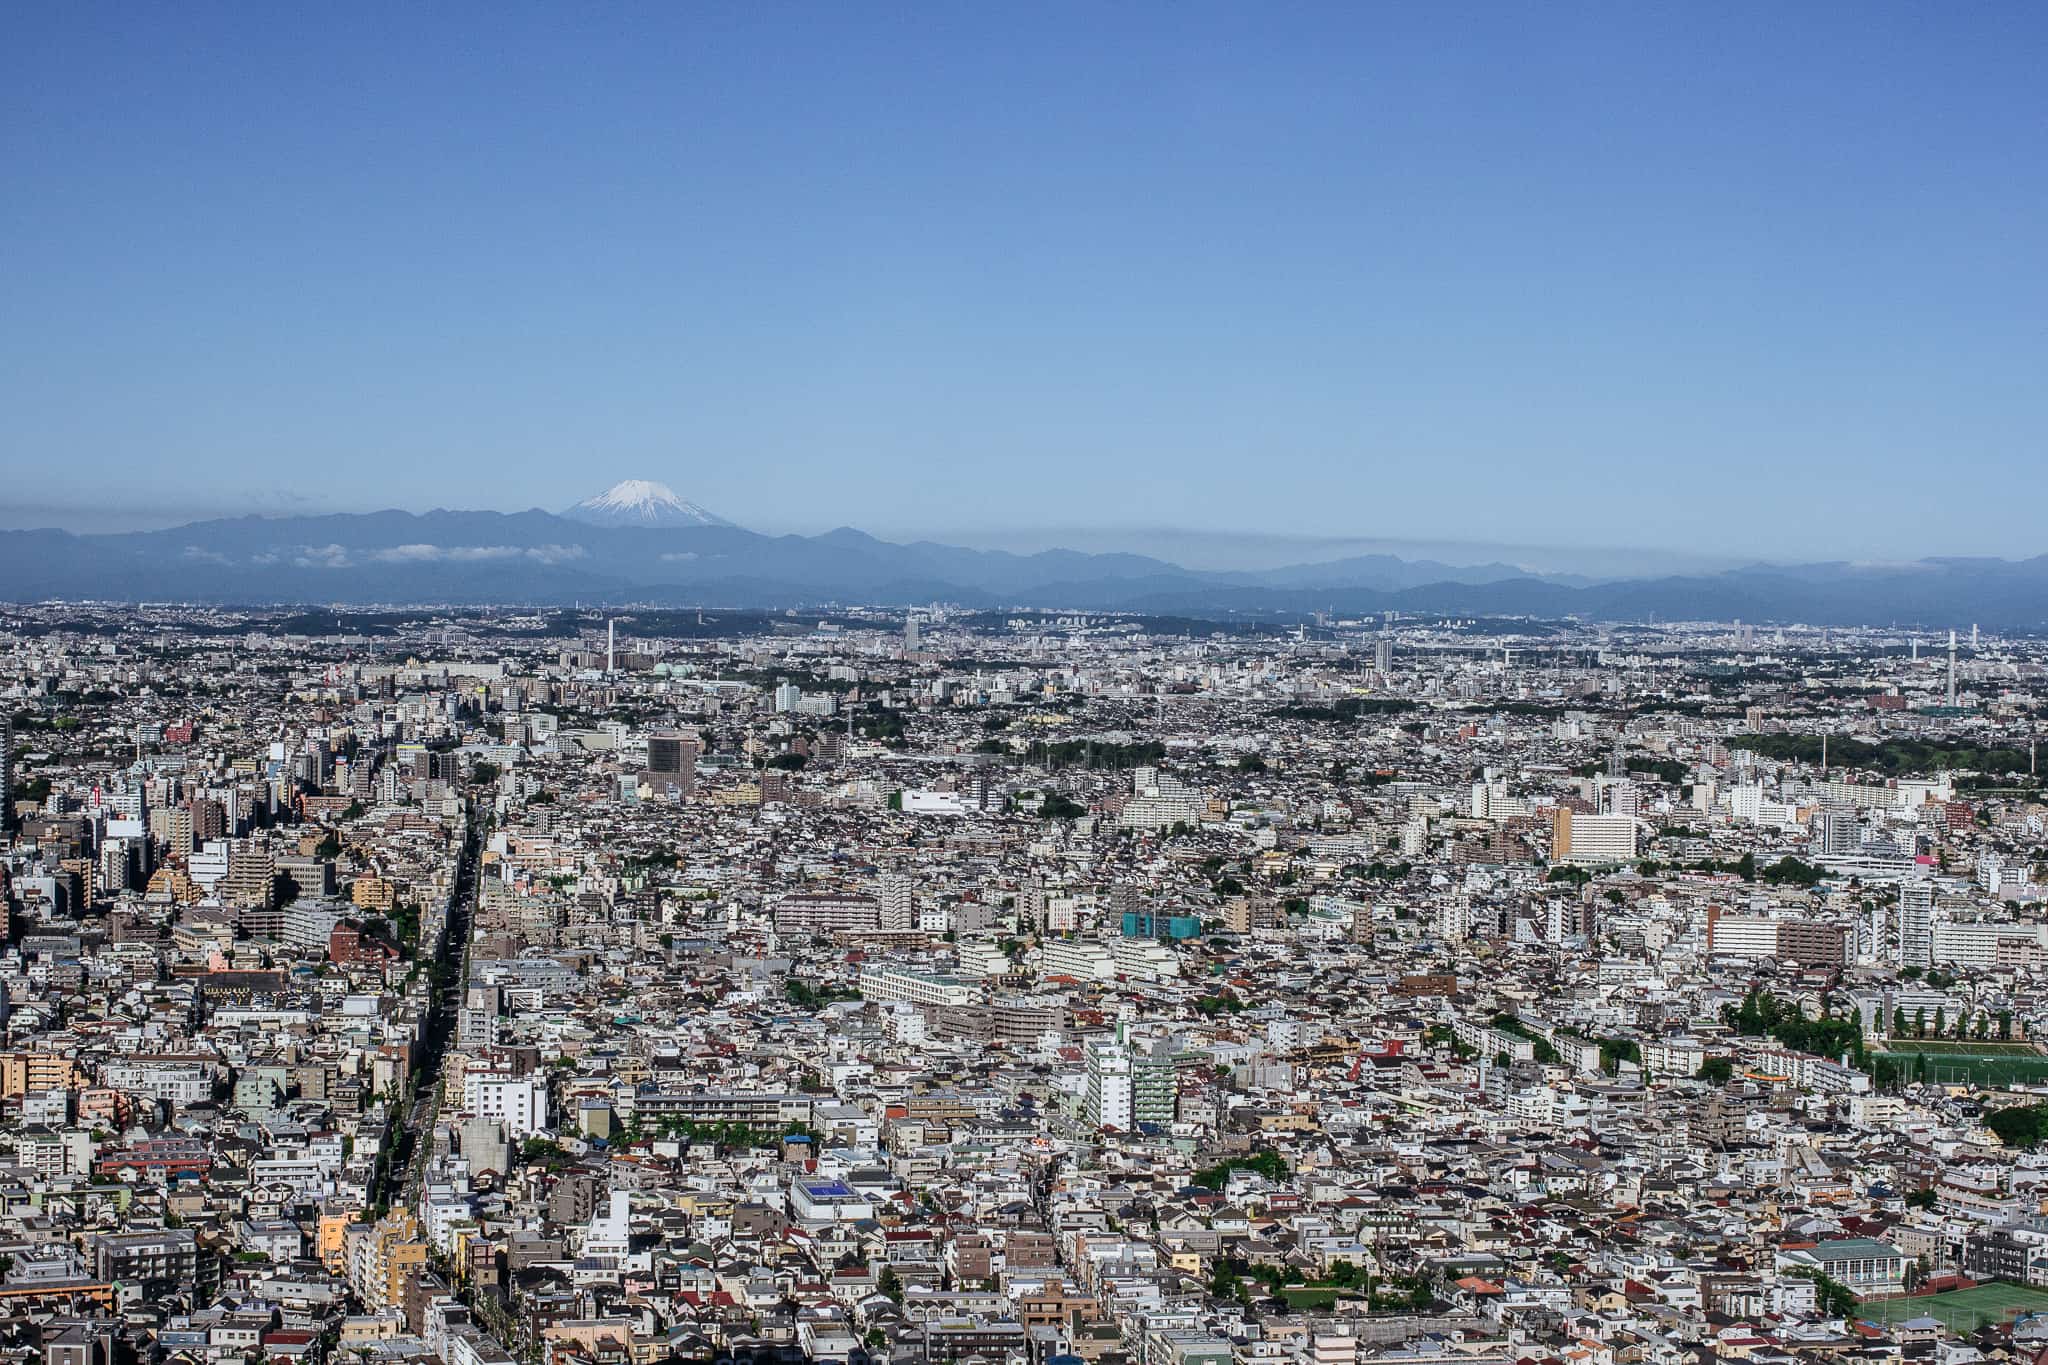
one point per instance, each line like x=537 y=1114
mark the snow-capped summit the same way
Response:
x=641 y=502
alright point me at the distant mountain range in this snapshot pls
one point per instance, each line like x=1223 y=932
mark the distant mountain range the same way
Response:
x=640 y=542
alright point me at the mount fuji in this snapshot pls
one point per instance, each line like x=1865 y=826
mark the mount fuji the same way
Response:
x=641 y=502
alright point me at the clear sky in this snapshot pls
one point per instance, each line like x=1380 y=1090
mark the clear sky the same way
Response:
x=1759 y=279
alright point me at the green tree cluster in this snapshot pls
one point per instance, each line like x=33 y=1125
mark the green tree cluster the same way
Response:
x=1057 y=806
x=2022 y=1127
x=806 y=996
x=1268 y=1163
x=1836 y=1299
x=1762 y=1014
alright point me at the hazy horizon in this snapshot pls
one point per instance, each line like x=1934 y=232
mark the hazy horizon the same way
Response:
x=1198 y=548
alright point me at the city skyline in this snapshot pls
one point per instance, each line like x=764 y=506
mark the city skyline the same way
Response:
x=1495 y=276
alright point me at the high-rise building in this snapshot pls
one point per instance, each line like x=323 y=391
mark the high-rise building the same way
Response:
x=1913 y=926
x=1745 y=936
x=1109 y=1086
x=910 y=632
x=209 y=820
x=1132 y=1083
x=518 y=1102
x=897 y=895
x=1158 y=800
x=1568 y=917
x=251 y=880
x=6 y=772
x=826 y=912
x=672 y=760
x=1812 y=943
x=1591 y=840
x=117 y=869
x=1838 y=833
x=788 y=697
x=1155 y=1083
x=1383 y=655
x=380 y=1256
x=1624 y=797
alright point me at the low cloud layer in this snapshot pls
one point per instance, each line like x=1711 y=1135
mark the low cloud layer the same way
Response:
x=469 y=554
x=340 y=557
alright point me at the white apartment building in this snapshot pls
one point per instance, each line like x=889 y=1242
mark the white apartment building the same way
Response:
x=518 y=1102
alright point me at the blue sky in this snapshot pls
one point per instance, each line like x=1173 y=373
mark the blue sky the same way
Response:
x=1748 y=279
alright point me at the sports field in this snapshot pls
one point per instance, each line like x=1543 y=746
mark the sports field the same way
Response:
x=1964 y=1310
x=1951 y=1063
x=1965 y=1046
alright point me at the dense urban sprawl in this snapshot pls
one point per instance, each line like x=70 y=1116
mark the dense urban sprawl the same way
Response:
x=489 y=986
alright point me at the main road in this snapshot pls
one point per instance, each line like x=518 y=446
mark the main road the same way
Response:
x=445 y=981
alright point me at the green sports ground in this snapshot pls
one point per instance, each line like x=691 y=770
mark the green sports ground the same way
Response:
x=1962 y=1311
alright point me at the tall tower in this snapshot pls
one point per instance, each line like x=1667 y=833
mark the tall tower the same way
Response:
x=1951 y=668
x=611 y=646
x=1913 y=940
